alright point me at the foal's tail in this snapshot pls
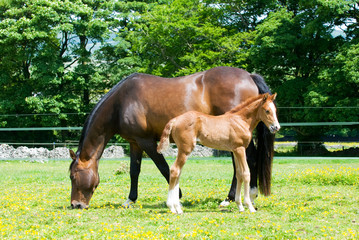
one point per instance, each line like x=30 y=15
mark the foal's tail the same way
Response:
x=265 y=146
x=165 y=138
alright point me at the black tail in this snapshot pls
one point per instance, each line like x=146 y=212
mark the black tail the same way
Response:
x=265 y=146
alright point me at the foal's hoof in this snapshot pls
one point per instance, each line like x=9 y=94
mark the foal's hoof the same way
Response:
x=252 y=210
x=241 y=208
x=175 y=208
x=128 y=204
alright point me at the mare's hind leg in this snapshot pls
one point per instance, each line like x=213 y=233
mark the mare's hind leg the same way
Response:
x=135 y=169
x=251 y=160
x=243 y=174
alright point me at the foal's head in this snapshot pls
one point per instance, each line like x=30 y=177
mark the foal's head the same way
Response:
x=268 y=113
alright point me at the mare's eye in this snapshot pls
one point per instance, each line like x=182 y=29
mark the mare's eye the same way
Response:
x=267 y=111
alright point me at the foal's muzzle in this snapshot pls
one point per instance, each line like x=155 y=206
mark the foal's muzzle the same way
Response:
x=274 y=128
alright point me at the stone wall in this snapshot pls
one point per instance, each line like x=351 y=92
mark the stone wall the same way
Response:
x=9 y=152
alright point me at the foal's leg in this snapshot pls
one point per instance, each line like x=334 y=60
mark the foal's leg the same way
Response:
x=150 y=147
x=243 y=175
x=173 y=194
x=251 y=160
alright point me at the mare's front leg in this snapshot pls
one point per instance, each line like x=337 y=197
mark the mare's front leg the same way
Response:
x=150 y=147
x=135 y=169
x=173 y=191
x=251 y=154
x=243 y=175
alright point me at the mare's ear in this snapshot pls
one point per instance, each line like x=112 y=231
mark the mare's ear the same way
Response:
x=274 y=96
x=72 y=155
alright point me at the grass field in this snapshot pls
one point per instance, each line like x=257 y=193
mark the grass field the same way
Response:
x=311 y=199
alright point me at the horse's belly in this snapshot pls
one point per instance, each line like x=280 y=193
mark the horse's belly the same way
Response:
x=216 y=139
x=216 y=145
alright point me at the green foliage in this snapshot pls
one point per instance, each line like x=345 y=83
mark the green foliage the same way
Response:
x=308 y=64
x=59 y=57
x=185 y=37
x=48 y=61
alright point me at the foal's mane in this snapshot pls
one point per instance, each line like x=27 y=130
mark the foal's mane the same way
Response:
x=243 y=106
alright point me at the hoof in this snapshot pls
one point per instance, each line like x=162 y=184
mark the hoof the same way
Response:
x=128 y=204
x=252 y=210
x=175 y=208
x=224 y=203
x=241 y=208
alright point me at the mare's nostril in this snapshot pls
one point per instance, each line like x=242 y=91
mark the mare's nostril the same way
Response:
x=77 y=205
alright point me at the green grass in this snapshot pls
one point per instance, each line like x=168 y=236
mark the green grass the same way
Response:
x=311 y=199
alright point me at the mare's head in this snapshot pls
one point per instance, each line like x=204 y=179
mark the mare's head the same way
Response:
x=85 y=179
x=268 y=113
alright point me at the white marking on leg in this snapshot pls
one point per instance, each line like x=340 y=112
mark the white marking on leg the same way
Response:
x=238 y=198
x=246 y=198
x=173 y=202
x=224 y=203
x=253 y=194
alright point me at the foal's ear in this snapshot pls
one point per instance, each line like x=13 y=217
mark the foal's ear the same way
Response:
x=72 y=155
x=274 y=96
x=265 y=97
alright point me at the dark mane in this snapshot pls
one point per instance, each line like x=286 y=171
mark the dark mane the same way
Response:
x=95 y=109
x=242 y=106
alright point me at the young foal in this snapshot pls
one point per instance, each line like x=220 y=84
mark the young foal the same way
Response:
x=231 y=131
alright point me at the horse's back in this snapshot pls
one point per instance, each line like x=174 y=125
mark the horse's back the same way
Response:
x=148 y=102
x=229 y=86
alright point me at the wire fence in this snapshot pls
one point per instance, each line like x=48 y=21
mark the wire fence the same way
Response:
x=337 y=145
x=69 y=136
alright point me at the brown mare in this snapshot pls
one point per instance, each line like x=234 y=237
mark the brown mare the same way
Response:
x=231 y=131
x=138 y=109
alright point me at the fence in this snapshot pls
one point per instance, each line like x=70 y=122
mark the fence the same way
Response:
x=75 y=143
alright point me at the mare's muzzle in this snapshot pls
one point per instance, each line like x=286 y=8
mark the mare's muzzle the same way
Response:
x=78 y=205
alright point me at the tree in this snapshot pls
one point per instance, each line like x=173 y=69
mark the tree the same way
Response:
x=296 y=48
x=184 y=37
x=46 y=59
x=59 y=57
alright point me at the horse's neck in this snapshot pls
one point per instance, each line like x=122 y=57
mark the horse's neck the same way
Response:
x=95 y=140
x=92 y=147
x=250 y=115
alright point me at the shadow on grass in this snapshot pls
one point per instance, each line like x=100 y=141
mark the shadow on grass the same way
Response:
x=189 y=205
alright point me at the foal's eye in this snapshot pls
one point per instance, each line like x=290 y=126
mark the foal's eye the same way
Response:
x=267 y=111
